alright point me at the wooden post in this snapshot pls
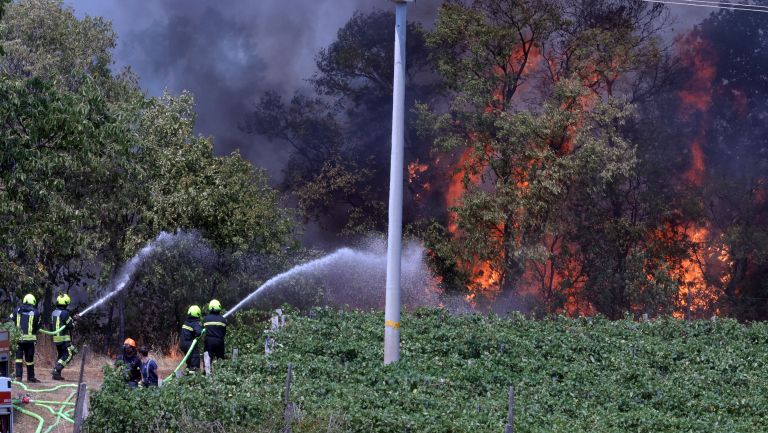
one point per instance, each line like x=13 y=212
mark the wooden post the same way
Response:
x=207 y=363
x=81 y=409
x=510 y=428
x=235 y=352
x=82 y=365
x=288 y=379
x=82 y=389
x=289 y=409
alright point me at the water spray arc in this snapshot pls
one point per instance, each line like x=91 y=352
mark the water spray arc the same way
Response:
x=164 y=239
x=277 y=279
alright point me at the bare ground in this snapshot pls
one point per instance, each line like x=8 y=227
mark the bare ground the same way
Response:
x=92 y=376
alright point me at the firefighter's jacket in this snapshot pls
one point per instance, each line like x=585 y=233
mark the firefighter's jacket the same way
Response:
x=61 y=318
x=27 y=320
x=215 y=327
x=190 y=330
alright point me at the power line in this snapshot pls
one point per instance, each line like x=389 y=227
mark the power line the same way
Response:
x=732 y=6
x=727 y=4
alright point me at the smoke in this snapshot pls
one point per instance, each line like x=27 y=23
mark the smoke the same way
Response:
x=349 y=277
x=228 y=54
x=356 y=278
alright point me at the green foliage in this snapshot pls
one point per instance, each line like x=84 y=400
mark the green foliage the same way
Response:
x=569 y=375
x=44 y=39
x=91 y=170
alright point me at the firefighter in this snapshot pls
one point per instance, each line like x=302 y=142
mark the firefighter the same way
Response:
x=190 y=330
x=61 y=319
x=131 y=363
x=215 y=329
x=27 y=320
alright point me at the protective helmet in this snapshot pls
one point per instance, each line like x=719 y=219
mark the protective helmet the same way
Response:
x=63 y=300
x=29 y=299
x=214 y=305
x=130 y=342
x=194 y=311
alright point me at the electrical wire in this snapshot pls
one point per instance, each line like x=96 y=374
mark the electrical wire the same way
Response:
x=727 y=4
x=732 y=6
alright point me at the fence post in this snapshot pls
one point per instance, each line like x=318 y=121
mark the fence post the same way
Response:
x=235 y=352
x=289 y=409
x=207 y=363
x=82 y=365
x=81 y=407
x=510 y=428
x=81 y=412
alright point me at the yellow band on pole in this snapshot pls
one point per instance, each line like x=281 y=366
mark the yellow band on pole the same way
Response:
x=391 y=324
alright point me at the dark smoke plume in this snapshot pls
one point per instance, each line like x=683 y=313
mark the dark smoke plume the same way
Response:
x=229 y=53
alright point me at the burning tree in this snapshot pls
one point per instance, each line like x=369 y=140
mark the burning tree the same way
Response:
x=715 y=114
x=552 y=202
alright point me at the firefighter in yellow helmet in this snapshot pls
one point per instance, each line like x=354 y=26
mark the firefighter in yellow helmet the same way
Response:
x=190 y=330
x=62 y=321
x=27 y=320
x=215 y=330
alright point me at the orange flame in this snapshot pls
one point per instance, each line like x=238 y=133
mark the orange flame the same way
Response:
x=456 y=185
x=415 y=169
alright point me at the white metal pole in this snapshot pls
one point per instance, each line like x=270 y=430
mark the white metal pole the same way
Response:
x=395 y=230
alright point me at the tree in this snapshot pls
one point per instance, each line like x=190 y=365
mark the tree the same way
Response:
x=539 y=109
x=734 y=183
x=44 y=39
x=341 y=135
x=48 y=46
x=52 y=146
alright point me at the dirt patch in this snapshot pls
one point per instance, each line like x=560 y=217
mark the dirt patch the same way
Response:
x=93 y=376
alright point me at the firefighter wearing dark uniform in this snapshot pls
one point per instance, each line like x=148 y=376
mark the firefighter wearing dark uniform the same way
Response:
x=215 y=330
x=190 y=330
x=131 y=363
x=62 y=320
x=27 y=320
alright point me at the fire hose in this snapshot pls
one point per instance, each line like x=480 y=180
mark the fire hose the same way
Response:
x=63 y=412
x=65 y=415
x=40 y=421
x=186 y=356
x=52 y=332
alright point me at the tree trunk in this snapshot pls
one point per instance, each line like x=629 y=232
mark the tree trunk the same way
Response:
x=108 y=331
x=47 y=301
x=111 y=315
x=121 y=316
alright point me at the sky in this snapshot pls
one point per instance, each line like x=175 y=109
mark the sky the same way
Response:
x=229 y=53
